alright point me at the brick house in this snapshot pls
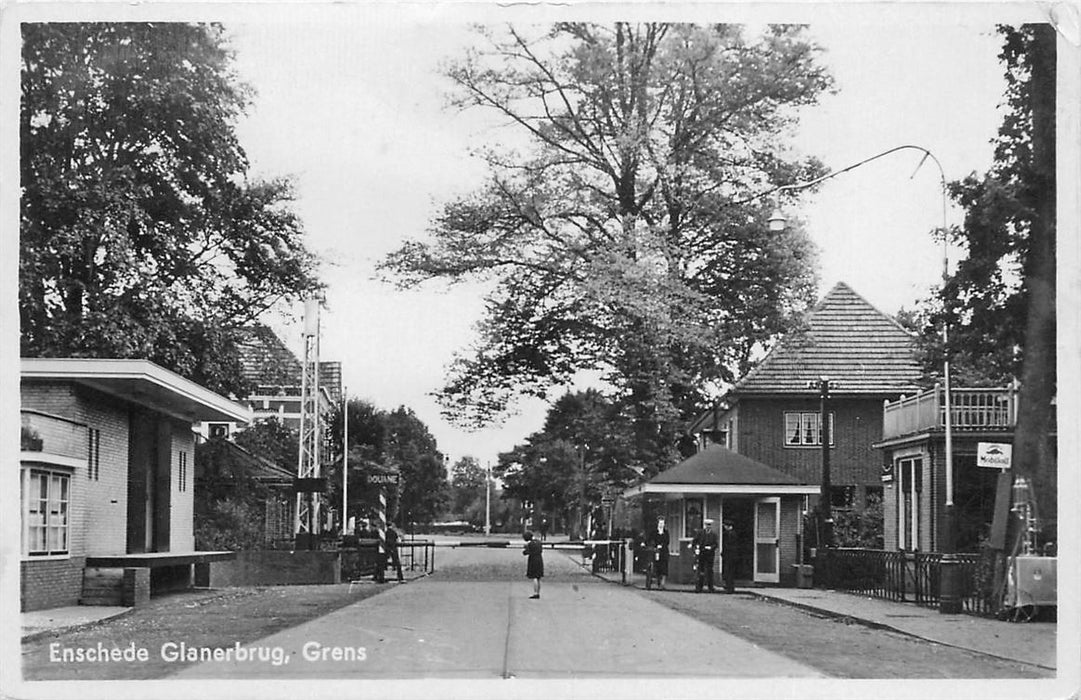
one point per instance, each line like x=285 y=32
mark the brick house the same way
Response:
x=772 y=414
x=107 y=477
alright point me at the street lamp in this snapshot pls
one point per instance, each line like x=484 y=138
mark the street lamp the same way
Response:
x=949 y=574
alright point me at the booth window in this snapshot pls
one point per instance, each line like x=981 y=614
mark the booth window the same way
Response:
x=692 y=521
x=908 y=502
x=45 y=510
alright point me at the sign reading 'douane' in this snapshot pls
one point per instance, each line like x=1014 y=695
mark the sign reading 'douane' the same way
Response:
x=996 y=455
x=381 y=479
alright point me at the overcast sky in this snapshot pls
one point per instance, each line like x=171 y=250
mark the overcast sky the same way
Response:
x=352 y=108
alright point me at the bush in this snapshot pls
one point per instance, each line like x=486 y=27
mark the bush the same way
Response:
x=860 y=528
x=228 y=524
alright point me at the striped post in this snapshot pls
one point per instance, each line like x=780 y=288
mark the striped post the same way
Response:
x=382 y=521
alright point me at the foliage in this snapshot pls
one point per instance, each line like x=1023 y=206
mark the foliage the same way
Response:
x=582 y=451
x=860 y=528
x=271 y=439
x=986 y=301
x=625 y=235
x=1000 y=304
x=381 y=442
x=230 y=524
x=140 y=232
x=467 y=490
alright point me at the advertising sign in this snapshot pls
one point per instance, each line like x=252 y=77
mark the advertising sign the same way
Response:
x=996 y=455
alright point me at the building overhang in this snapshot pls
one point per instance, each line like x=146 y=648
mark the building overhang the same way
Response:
x=722 y=489
x=140 y=382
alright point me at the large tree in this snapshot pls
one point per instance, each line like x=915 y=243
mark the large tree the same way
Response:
x=623 y=232
x=1000 y=303
x=141 y=232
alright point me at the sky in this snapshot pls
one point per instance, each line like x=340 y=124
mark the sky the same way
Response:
x=351 y=106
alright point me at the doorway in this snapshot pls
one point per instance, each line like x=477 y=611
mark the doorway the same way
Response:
x=741 y=512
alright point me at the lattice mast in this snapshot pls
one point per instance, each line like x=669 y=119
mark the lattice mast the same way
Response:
x=307 y=510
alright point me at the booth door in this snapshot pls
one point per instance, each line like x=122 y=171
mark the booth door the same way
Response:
x=767 y=519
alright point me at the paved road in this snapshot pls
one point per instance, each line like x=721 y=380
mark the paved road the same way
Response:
x=474 y=619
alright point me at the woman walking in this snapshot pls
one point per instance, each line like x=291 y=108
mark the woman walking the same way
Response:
x=534 y=565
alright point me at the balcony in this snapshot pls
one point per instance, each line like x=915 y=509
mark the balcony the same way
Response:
x=971 y=410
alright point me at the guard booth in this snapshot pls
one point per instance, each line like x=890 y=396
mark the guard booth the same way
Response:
x=764 y=504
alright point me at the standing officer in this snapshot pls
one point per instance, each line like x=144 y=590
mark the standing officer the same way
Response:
x=705 y=551
x=658 y=542
x=392 y=552
x=728 y=555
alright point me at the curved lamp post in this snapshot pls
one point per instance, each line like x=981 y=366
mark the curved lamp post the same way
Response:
x=949 y=574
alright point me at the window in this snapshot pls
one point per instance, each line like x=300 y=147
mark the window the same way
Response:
x=45 y=508
x=183 y=472
x=910 y=472
x=802 y=429
x=93 y=454
x=692 y=521
x=219 y=430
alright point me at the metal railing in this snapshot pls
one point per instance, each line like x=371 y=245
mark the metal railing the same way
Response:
x=362 y=559
x=903 y=576
x=971 y=409
x=607 y=555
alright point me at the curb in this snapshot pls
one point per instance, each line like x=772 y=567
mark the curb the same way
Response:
x=32 y=636
x=888 y=628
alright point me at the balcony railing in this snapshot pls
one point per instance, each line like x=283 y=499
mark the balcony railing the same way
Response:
x=971 y=409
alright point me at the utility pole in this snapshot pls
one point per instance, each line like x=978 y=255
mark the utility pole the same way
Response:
x=824 y=514
x=488 y=499
x=345 y=462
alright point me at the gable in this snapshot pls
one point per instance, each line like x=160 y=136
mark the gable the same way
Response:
x=845 y=338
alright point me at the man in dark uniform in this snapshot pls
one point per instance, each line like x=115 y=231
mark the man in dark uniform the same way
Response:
x=705 y=551
x=657 y=543
x=728 y=555
x=392 y=552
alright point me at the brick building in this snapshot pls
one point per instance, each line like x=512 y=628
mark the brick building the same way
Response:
x=107 y=477
x=772 y=414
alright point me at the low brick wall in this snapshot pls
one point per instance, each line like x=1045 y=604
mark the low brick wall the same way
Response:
x=51 y=583
x=271 y=567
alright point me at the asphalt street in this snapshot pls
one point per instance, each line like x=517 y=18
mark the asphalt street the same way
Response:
x=474 y=619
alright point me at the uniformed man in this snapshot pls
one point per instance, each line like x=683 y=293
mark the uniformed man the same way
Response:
x=658 y=543
x=728 y=555
x=705 y=552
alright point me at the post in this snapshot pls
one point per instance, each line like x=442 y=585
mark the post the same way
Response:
x=824 y=514
x=488 y=499
x=345 y=462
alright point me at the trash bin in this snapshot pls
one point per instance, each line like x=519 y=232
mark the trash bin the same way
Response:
x=804 y=575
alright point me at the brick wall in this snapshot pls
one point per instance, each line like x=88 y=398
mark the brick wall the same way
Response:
x=51 y=583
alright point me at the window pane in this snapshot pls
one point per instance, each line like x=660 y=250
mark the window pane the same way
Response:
x=810 y=428
x=767 y=520
x=767 y=562
x=792 y=428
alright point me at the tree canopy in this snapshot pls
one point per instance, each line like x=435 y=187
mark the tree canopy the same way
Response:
x=625 y=232
x=141 y=233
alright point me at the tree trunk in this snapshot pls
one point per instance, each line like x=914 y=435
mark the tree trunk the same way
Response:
x=1035 y=456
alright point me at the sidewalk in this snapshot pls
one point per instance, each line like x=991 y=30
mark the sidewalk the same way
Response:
x=39 y=622
x=1026 y=642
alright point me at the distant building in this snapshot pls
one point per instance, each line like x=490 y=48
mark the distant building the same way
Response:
x=275 y=374
x=107 y=479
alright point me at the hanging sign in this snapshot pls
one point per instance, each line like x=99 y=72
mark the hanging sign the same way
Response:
x=381 y=479
x=996 y=455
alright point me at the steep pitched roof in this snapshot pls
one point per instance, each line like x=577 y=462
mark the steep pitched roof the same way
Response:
x=267 y=362
x=846 y=339
x=720 y=465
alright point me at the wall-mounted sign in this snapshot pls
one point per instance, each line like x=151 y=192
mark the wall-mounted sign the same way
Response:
x=887 y=471
x=996 y=455
x=381 y=479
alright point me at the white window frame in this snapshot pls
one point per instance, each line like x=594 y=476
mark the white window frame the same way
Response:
x=908 y=538
x=809 y=431
x=57 y=507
